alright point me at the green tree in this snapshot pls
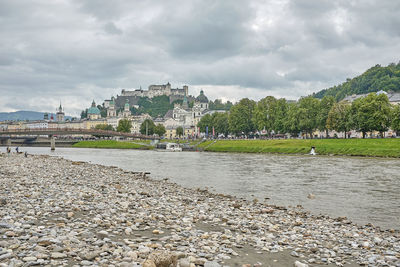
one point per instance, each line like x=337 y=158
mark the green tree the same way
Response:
x=218 y=105
x=103 y=111
x=269 y=114
x=308 y=110
x=159 y=129
x=84 y=114
x=179 y=131
x=263 y=116
x=220 y=123
x=124 y=126
x=371 y=113
x=147 y=127
x=396 y=119
x=281 y=111
x=359 y=116
x=291 y=124
x=205 y=121
x=382 y=114
x=135 y=111
x=339 y=118
x=241 y=117
x=326 y=105
x=155 y=107
x=105 y=127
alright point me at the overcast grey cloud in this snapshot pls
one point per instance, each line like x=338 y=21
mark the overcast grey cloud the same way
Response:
x=75 y=50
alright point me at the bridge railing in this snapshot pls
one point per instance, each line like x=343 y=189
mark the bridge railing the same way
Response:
x=65 y=131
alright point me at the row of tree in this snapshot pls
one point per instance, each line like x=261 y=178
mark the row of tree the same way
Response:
x=123 y=126
x=278 y=116
x=274 y=116
x=147 y=127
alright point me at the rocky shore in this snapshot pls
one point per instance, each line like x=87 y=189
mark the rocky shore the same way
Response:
x=58 y=212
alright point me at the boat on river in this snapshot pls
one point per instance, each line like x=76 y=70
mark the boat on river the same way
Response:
x=173 y=147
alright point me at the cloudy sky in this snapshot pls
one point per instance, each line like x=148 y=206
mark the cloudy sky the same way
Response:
x=78 y=50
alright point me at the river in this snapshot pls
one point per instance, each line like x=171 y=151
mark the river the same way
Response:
x=366 y=190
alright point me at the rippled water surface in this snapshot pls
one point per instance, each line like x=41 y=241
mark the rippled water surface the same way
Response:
x=366 y=190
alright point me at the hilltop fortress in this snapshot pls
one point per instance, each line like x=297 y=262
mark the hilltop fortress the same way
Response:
x=181 y=115
x=154 y=90
x=157 y=90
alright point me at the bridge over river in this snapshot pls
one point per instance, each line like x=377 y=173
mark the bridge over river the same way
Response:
x=7 y=134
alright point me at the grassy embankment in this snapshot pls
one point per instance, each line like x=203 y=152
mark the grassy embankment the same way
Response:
x=351 y=147
x=114 y=144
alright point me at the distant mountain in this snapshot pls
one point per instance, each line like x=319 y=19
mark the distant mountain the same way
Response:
x=25 y=115
x=373 y=80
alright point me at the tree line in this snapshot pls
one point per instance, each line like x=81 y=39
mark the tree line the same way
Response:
x=278 y=116
x=124 y=125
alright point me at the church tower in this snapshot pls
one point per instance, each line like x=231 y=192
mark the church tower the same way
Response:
x=111 y=112
x=60 y=114
x=127 y=112
x=185 y=104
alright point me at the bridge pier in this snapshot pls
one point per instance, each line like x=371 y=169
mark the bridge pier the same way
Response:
x=52 y=143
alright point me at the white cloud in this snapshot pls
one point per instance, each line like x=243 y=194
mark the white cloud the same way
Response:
x=76 y=51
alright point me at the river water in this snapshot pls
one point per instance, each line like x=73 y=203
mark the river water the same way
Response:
x=366 y=190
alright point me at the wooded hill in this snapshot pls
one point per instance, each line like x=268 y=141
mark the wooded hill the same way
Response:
x=373 y=80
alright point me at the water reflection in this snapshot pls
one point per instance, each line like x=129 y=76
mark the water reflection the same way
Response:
x=363 y=189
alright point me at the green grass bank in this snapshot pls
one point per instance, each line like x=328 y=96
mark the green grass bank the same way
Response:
x=350 y=147
x=113 y=144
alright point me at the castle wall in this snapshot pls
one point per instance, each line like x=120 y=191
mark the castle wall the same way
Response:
x=156 y=90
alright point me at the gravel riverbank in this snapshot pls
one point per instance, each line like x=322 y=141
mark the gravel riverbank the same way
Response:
x=59 y=212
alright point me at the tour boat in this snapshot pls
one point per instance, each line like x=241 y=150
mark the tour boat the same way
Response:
x=173 y=147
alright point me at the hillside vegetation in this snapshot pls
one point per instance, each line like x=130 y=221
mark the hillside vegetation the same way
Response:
x=373 y=80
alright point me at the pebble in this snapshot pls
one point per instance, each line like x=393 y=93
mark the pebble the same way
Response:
x=102 y=234
x=86 y=263
x=211 y=264
x=56 y=212
x=5 y=256
x=58 y=255
x=184 y=262
x=300 y=264
x=148 y=263
x=29 y=258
